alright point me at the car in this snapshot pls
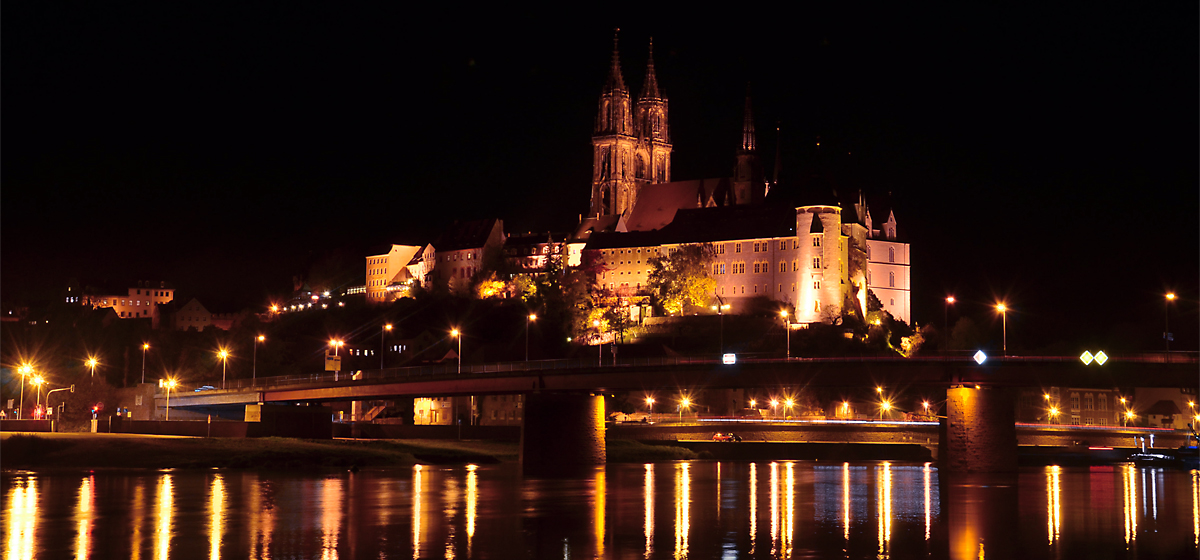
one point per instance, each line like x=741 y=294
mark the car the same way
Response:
x=727 y=437
x=205 y=388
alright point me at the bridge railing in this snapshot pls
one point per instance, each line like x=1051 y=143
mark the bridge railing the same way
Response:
x=575 y=365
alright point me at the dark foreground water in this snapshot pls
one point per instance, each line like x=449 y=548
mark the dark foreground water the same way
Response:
x=663 y=510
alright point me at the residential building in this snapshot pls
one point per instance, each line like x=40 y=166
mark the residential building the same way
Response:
x=390 y=273
x=461 y=250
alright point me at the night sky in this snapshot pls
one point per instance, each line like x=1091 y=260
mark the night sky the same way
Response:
x=1046 y=155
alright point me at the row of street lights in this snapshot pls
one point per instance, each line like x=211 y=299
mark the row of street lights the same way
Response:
x=1002 y=308
x=885 y=404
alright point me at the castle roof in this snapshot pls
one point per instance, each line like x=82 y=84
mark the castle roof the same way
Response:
x=657 y=203
x=707 y=225
x=650 y=87
x=466 y=235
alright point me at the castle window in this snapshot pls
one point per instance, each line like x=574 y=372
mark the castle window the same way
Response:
x=891 y=254
x=816 y=262
x=816 y=241
x=868 y=252
x=868 y=277
x=743 y=289
x=891 y=279
x=721 y=249
x=783 y=245
x=816 y=307
x=795 y=266
x=782 y=266
x=781 y=288
x=795 y=243
x=816 y=284
x=756 y=271
x=737 y=247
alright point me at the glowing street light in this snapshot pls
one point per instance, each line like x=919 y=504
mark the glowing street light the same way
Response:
x=753 y=403
x=529 y=319
x=885 y=406
x=224 y=355
x=169 y=384
x=1003 y=309
x=845 y=409
x=599 y=347
x=774 y=405
x=684 y=402
x=336 y=344
x=1129 y=416
x=925 y=405
x=145 y=347
x=1167 y=319
x=1053 y=414
x=91 y=364
x=788 y=332
x=650 y=405
x=456 y=334
x=25 y=370
x=254 y=364
x=788 y=404
x=387 y=328
x=946 y=313
x=38 y=380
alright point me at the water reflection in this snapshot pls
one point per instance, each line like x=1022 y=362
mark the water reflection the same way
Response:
x=1053 y=506
x=217 y=517
x=814 y=510
x=164 y=520
x=22 y=518
x=648 y=508
x=83 y=516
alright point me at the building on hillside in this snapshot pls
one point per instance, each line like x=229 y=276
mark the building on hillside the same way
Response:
x=808 y=248
x=1164 y=407
x=461 y=250
x=192 y=315
x=1070 y=406
x=532 y=252
x=392 y=271
x=138 y=302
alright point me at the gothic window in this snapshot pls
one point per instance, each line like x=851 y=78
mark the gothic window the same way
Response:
x=868 y=252
x=891 y=279
x=1088 y=402
x=891 y=254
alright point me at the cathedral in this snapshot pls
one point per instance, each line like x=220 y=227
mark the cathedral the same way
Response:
x=818 y=253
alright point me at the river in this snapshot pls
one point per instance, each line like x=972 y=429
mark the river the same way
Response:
x=699 y=509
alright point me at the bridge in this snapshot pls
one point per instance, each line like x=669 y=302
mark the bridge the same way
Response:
x=564 y=411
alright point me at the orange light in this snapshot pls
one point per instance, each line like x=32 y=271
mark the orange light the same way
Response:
x=950 y=299
x=387 y=327
x=261 y=338
x=532 y=317
x=145 y=346
x=454 y=332
x=1170 y=296
x=1001 y=307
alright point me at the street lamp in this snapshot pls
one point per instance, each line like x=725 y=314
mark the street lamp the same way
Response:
x=787 y=404
x=38 y=380
x=145 y=347
x=254 y=364
x=1129 y=415
x=224 y=355
x=1167 y=319
x=774 y=404
x=456 y=334
x=683 y=403
x=169 y=384
x=1003 y=309
x=91 y=364
x=946 y=314
x=24 y=370
x=1053 y=414
x=650 y=405
x=387 y=328
x=529 y=319
x=721 y=308
x=885 y=406
x=787 y=332
x=925 y=405
x=600 y=346
x=753 y=404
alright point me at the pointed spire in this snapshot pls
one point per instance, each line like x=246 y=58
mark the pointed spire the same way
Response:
x=748 y=125
x=778 y=151
x=650 y=87
x=615 y=81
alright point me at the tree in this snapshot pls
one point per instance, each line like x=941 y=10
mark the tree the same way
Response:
x=681 y=280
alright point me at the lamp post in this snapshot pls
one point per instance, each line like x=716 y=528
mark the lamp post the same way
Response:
x=169 y=384
x=254 y=364
x=224 y=355
x=946 y=314
x=650 y=406
x=387 y=328
x=683 y=403
x=787 y=334
x=1167 y=320
x=600 y=346
x=24 y=370
x=529 y=319
x=722 y=307
x=91 y=364
x=1003 y=309
x=774 y=405
x=456 y=334
x=145 y=347
x=1053 y=414
x=885 y=406
x=38 y=380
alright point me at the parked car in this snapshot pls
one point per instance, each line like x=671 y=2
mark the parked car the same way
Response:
x=727 y=437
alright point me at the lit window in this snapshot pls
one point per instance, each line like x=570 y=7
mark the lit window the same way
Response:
x=816 y=262
x=737 y=247
x=816 y=241
x=782 y=266
x=783 y=245
x=816 y=284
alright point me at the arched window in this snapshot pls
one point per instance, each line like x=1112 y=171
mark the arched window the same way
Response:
x=891 y=254
x=891 y=279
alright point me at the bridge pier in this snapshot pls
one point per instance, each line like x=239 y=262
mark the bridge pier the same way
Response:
x=978 y=434
x=562 y=433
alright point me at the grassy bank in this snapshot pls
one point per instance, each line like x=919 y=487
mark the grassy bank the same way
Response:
x=87 y=450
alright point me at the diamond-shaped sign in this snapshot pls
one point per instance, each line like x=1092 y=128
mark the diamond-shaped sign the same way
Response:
x=1086 y=357
x=980 y=357
x=1101 y=357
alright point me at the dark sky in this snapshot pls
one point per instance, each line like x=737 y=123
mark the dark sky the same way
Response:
x=1042 y=154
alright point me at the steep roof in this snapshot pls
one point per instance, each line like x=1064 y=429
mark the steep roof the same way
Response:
x=1163 y=408
x=657 y=203
x=466 y=235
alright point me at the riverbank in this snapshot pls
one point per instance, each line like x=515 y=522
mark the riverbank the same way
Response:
x=87 y=450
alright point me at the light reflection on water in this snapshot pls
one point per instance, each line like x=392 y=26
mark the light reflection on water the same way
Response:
x=863 y=510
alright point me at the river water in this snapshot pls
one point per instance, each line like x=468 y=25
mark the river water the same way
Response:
x=700 y=509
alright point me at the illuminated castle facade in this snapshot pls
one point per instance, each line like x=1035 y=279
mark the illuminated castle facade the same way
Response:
x=818 y=253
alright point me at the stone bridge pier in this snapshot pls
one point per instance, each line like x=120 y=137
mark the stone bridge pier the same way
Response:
x=562 y=434
x=978 y=434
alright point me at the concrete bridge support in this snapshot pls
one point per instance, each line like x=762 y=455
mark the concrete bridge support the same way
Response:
x=979 y=433
x=562 y=433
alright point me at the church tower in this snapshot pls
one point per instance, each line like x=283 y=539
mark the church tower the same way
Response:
x=613 y=145
x=631 y=146
x=652 y=163
x=749 y=185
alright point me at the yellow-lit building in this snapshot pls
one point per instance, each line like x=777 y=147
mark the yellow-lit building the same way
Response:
x=139 y=302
